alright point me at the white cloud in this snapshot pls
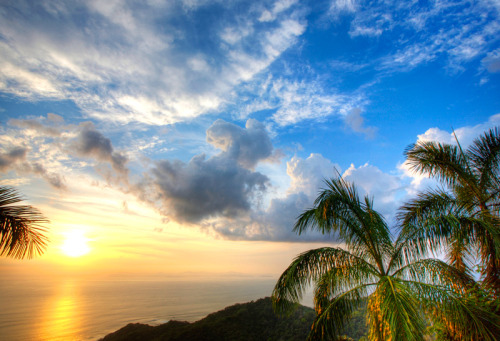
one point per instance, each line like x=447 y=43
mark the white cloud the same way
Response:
x=119 y=64
x=457 y=30
x=278 y=7
x=302 y=100
x=339 y=6
x=307 y=175
x=465 y=135
x=386 y=189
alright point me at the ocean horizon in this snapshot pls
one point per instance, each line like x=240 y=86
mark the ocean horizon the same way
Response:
x=78 y=309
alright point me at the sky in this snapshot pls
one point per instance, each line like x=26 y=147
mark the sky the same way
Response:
x=183 y=138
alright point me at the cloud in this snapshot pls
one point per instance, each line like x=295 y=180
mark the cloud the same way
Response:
x=17 y=159
x=465 y=135
x=460 y=31
x=278 y=7
x=35 y=125
x=293 y=101
x=276 y=221
x=205 y=188
x=247 y=146
x=118 y=63
x=92 y=143
x=492 y=61
x=54 y=179
x=339 y=6
x=224 y=185
x=306 y=181
x=53 y=146
x=356 y=122
x=307 y=175
x=387 y=190
x=10 y=158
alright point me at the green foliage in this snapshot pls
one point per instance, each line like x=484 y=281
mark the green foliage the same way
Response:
x=249 y=321
x=463 y=218
x=391 y=275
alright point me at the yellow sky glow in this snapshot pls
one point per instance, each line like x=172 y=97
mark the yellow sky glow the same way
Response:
x=94 y=234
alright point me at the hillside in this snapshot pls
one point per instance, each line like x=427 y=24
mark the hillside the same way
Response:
x=248 y=321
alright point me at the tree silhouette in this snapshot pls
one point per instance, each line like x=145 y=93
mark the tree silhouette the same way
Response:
x=21 y=226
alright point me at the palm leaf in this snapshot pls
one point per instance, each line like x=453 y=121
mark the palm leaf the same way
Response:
x=485 y=155
x=308 y=267
x=331 y=321
x=339 y=210
x=396 y=309
x=21 y=229
x=463 y=314
x=445 y=162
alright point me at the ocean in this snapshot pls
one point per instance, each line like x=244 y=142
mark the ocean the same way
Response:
x=73 y=309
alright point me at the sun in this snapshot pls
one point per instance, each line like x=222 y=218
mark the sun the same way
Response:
x=75 y=244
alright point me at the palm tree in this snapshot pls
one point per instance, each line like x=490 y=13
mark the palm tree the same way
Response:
x=464 y=215
x=389 y=275
x=21 y=232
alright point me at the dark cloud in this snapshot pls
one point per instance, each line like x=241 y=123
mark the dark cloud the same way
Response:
x=91 y=143
x=53 y=179
x=247 y=145
x=9 y=159
x=224 y=185
x=201 y=188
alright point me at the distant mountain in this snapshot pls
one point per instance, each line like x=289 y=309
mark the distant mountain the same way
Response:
x=248 y=321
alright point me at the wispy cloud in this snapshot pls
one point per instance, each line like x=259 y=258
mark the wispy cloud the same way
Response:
x=121 y=62
x=292 y=100
x=456 y=30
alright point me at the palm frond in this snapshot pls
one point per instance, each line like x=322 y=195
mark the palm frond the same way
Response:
x=435 y=220
x=485 y=155
x=340 y=280
x=463 y=315
x=331 y=321
x=394 y=312
x=308 y=267
x=21 y=226
x=435 y=271
x=445 y=162
x=338 y=209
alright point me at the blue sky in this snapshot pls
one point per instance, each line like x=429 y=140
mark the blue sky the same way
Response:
x=224 y=117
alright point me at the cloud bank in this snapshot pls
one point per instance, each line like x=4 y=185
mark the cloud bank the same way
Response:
x=223 y=194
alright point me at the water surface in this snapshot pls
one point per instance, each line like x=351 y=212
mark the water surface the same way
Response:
x=88 y=310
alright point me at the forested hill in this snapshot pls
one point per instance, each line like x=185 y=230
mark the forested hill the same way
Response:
x=248 y=321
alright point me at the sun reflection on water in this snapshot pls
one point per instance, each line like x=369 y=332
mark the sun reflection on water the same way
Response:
x=61 y=317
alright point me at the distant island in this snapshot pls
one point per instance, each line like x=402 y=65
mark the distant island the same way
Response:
x=254 y=320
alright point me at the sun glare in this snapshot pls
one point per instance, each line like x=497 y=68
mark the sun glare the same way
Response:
x=75 y=244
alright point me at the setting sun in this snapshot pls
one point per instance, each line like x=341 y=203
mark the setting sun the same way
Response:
x=75 y=244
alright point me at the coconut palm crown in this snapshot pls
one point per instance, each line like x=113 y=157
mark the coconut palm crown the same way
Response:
x=21 y=226
x=463 y=216
x=389 y=275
